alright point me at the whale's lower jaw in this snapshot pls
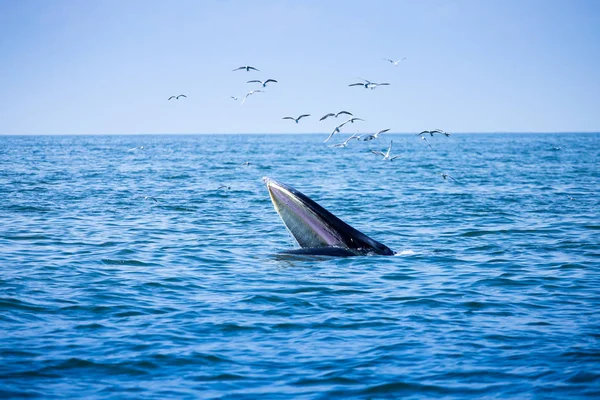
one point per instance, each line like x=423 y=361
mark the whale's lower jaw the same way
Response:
x=317 y=231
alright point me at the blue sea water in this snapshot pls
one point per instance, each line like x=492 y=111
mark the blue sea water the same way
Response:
x=127 y=272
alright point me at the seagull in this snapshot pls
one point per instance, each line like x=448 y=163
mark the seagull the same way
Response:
x=246 y=67
x=395 y=62
x=368 y=84
x=264 y=84
x=376 y=135
x=336 y=130
x=433 y=131
x=386 y=156
x=151 y=198
x=345 y=142
x=224 y=187
x=297 y=119
x=245 y=163
x=425 y=139
x=446 y=176
x=234 y=97
x=335 y=115
x=351 y=120
x=177 y=97
x=250 y=93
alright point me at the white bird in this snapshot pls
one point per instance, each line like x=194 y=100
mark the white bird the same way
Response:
x=264 y=84
x=368 y=84
x=446 y=176
x=297 y=119
x=395 y=62
x=386 y=156
x=335 y=115
x=376 y=135
x=250 y=93
x=177 y=97
x=351 y=120
x=246 y=67
x=336 y=130
x=345 y=142
x=425 y=139
x=433 y=131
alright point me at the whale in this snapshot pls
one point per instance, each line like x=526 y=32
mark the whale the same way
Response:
x=317 y=231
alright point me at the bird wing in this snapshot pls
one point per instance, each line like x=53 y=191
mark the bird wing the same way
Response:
x=343 y=112
x=252 y=68
x=172 y=97
x=393 y=158
x=383 y=84
x=303 y=115
x=237 y=69
x=255 y=81
x=330 y=135
x=289 y=118
x=354 y=136
x=383 y=131
x=270 y=80
x=182 y=95
x=387 y=59
x=357 y=84
x=356 y=119
x=379 y=153
x=327 y=116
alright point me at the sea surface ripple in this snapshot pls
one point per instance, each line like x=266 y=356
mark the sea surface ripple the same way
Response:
x=125 y=272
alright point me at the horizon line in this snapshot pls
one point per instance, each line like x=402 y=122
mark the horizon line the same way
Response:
x=282 y=133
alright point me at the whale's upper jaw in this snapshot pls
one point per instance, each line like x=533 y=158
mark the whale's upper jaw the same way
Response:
x=314 y=227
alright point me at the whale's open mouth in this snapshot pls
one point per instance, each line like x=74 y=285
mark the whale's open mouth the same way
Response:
x=314 y=227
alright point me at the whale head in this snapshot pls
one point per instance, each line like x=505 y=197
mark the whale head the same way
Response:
x=316 y=230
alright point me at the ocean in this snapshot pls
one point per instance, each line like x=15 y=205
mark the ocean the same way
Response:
x=149 y=266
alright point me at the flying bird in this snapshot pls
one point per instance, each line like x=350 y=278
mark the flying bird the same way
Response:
x=246 y=67
x=432 y=132
x=376 y=135
x=395 y=62
x=386 y=156
x=250 y=93
x=336 y=130
x=425 y=139
x=335 y=115
x=368 y=84
x=264 y=84
x=345 y=142
x=177 y=97
x=351 y=121
x=234 y=97
x=297 y=119
x=446 y=176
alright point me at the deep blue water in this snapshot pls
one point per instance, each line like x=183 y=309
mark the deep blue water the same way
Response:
x=105 y=293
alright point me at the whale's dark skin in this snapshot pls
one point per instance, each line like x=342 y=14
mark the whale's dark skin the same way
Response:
x=317 y=231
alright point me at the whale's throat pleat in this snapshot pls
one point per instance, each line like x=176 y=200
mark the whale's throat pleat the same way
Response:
x=306 y=227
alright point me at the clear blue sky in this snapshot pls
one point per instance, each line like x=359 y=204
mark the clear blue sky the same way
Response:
x=95 y=67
